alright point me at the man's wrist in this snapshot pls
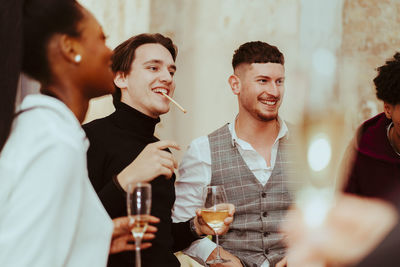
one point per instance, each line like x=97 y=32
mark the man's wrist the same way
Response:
x=118 y=184
x=194 y=229
x=125 y=177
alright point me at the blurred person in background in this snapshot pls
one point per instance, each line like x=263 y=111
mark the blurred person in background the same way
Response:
x=374 y=161
x=51 y=215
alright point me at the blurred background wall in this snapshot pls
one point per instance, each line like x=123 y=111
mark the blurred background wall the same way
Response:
x=331 y=48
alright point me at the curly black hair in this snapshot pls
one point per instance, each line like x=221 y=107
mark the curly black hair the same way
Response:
x=387 y=82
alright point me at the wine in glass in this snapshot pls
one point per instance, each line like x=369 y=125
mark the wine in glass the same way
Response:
x=214 y=213
x=139 y=205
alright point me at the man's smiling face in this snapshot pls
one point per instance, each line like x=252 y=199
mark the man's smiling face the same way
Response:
x=152 y=72
x=261 y=89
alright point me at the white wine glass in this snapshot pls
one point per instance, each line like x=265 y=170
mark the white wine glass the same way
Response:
x=214 y=212
x=138 y=204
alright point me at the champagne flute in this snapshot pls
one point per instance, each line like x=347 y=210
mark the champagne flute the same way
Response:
x=214 y=213
x=139 y=204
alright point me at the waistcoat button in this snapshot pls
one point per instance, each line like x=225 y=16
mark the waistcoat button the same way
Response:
x=266 y=234
x=266 y=251
x=264 y=194
x=265 y=214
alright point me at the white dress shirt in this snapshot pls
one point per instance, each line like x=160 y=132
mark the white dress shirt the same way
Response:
x=50 y=213
x=195 y=174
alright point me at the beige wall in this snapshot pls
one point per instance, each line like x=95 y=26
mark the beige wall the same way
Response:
x=371 y=34
x=208 y=31
x=120 y=20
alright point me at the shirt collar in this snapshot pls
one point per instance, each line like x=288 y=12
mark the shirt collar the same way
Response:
x=283 y=132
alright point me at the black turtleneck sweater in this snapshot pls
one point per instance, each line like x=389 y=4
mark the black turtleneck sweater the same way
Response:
x=115 y=141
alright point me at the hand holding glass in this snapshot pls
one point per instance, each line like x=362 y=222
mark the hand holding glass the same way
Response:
x=139 y=205
x=214 y=213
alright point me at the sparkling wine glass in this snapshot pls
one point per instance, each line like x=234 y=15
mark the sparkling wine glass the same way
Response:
x=214 y=213
x=139 y=204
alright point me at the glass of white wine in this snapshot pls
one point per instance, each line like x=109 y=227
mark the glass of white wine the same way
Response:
x=214 y=213
x=138 y=204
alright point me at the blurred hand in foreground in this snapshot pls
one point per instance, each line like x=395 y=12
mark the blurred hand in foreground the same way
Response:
x=353 y=227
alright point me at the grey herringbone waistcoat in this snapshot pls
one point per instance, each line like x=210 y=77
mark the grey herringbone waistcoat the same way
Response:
x=254 y=234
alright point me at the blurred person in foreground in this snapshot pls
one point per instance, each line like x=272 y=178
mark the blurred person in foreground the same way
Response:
x=249 y=158
x=50 y=214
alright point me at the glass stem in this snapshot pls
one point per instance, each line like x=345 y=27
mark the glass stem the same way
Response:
x=138 y=260
x=217 y=242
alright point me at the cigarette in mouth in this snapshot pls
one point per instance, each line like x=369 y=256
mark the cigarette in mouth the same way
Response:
x=173 y=101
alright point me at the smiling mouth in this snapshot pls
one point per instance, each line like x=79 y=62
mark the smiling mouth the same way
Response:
x=161 y=91
x=269 y=102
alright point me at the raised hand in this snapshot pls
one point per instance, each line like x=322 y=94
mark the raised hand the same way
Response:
x=152 y=162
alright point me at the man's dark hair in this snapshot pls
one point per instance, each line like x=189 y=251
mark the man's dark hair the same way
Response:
x=257 y=52
x=387 y=82
x=124 y=54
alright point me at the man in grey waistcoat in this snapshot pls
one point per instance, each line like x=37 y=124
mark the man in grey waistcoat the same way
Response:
x=247 y=157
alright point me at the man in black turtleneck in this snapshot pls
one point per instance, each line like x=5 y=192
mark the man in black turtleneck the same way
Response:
x=144 y=67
